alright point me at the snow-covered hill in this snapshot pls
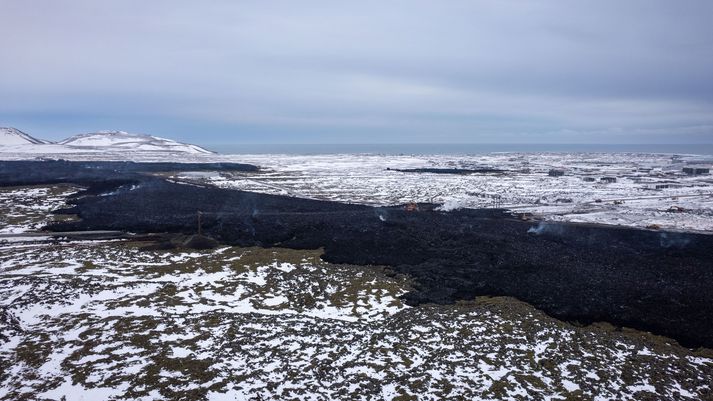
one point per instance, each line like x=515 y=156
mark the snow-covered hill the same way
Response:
x=13 y=136
x=113 y=140
x=102 y=145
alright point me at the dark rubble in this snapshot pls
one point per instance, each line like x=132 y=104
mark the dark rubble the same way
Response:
x=94 y=173
x=655 y=281
x=462 y=171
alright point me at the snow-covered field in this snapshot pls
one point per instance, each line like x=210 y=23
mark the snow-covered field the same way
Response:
x=106 y=320
x=644 y=190
x=22 y=212
x=650 y=190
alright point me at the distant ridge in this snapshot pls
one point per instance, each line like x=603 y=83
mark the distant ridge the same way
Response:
x=129 y=141
x=13 y=136
x=96 y=142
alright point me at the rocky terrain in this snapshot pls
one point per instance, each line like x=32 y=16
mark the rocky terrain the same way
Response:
x=307 y=298
x=649 y=280
x=110 y=320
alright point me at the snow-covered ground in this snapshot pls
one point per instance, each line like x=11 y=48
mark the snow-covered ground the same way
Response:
x=650 y=190
x=109 y=321
x=22 y=213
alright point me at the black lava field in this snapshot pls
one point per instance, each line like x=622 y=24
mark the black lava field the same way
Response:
x=651 y=280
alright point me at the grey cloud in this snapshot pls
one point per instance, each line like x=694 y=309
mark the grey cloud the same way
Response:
x=461 y=71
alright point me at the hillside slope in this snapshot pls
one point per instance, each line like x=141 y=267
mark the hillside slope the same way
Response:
x=13 y=136
x=128 y=141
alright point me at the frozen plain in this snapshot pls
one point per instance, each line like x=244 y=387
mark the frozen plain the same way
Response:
x=650 y=189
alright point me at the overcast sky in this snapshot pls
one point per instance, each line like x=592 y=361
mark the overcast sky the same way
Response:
x=361 y=71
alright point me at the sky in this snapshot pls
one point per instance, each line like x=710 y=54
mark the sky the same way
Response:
x=229 y=71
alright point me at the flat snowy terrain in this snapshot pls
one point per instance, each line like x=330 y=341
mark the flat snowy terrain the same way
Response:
x=650 y=191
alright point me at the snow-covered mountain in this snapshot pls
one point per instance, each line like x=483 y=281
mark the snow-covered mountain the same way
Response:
x=13 y=136
x=102 y=145
x=113 y=140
